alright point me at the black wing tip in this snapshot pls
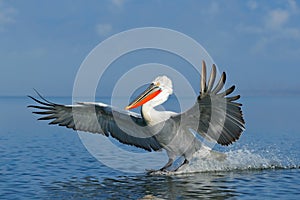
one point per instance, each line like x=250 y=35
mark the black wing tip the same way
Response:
x=218 y=87
x=223 y=77
x=44 y=102
x=233 y=87
x=43 y=108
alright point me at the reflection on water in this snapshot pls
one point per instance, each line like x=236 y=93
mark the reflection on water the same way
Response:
x=218 y=185
x=134 y=187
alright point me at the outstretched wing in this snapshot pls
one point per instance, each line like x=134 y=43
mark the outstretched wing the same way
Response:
x=215 y=116
x=128 y=128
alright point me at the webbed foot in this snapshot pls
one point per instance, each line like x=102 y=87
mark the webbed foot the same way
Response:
x=184 y=164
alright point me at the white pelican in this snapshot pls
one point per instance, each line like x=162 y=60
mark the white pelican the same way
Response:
x=215 y=116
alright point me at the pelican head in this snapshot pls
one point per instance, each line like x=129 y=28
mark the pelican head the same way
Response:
x=156 y=94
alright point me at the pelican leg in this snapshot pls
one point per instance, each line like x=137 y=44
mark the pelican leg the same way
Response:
x=163 y=169
x=185 y=162
x=169 y=163
x=171 y=157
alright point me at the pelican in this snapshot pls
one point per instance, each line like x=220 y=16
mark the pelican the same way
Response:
x=215 y=116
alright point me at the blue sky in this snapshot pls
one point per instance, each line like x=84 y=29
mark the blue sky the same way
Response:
x=43 y=43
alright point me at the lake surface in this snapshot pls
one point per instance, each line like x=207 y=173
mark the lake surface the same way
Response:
x=38 y=161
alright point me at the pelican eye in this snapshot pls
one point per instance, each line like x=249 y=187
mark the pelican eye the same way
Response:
x=157 y=84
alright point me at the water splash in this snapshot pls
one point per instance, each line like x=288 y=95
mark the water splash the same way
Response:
x=242 y=159
x=235 y=160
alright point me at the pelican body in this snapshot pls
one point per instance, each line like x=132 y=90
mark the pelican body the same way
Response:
x=214 y=116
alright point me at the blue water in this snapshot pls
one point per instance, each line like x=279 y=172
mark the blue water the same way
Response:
x=38 y=161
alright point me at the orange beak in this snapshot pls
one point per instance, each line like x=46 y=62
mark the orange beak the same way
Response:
x=151 y=92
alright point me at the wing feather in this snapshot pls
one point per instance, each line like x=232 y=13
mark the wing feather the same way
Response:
x=212 y=78
x=97 y=118
x=215 y=116
x=220 y=84
x=203 y=78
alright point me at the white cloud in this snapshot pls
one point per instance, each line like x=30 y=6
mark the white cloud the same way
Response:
x=6 y=15
x=276 y=25
x=103 y=29
x=277 y=18
x=252 y=5
x=118 y=3
x=292 y=33
x=249 y=29
x=293 y=5
x=214 y=8
x=277 y=22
